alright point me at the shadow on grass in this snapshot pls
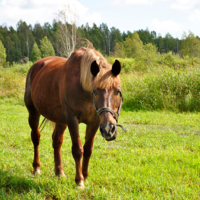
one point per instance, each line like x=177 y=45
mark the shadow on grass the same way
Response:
x=16 y=184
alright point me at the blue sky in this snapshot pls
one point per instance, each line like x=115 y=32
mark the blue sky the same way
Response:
x=162 y=16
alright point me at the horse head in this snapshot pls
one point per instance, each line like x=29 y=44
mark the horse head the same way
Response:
x=108 y=100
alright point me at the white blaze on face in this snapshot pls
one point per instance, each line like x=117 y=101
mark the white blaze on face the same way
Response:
x=106 y=97
x=106 y=92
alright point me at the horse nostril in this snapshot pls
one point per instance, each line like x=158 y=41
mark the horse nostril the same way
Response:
x=108 y=129
x=112 y=128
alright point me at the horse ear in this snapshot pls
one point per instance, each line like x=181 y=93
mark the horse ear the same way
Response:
x=116 y=68
x=94 y=68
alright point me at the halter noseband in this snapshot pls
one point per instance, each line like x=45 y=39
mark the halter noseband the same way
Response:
x=107 y=109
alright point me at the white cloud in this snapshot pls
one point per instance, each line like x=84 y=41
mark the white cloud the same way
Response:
x=133 y=2
x=195 y=16
x=167 y=25
x=32 y=11
x=185 y=4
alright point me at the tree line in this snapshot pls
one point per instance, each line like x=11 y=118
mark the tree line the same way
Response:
x=29 y=42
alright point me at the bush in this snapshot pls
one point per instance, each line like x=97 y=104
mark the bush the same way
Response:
x=169 y=90
x=22 y=69
x=147 y=59
x=127 y=64
x=11 y=84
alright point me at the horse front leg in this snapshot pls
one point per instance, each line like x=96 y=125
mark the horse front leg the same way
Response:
x=57 y=143
x=88 y=147
x=77 y=151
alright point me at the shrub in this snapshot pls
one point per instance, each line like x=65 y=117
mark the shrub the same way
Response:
x=11 y=84
x=147 y=59
x=170 y=90
x=127 y=64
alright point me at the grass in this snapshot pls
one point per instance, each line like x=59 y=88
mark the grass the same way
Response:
x=163 y=89
x=158 y=158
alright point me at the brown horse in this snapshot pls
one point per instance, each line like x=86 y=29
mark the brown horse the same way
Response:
x=83 y=89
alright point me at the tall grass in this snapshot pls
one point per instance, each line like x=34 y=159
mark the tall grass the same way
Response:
x=175 y=90
x=12 y=82
x=127 y=64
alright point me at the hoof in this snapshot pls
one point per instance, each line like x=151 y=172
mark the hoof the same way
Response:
x=80 y=186
x=36 y=171
x=60 y=174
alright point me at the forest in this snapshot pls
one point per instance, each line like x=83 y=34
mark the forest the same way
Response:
x=29 y=42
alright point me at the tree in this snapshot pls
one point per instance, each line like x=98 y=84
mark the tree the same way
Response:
x=119 y=50
x=46 y=47
x=190 y=45
x=2 y=54
x=26 y=38
x=67 y=20
x=107 y=37
x=133 y=45
x=35 y=53
x=116 y=37
x=38 y=32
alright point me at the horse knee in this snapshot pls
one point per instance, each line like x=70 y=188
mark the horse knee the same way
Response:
x=77 y=151
x=57 y=143
x=87 y=151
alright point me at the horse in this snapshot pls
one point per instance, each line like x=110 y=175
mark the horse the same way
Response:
x=82 y=89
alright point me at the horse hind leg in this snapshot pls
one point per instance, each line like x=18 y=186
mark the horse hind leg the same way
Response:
x=34 y=117
x=57 y=143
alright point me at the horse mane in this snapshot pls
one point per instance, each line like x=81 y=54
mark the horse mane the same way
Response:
x=104 y=79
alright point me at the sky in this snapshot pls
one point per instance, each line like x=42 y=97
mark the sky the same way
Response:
x=162 y=16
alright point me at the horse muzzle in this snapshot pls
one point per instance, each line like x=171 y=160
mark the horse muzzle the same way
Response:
x=108 y=131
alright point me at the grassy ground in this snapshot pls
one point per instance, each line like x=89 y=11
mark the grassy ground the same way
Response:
x=158 y=158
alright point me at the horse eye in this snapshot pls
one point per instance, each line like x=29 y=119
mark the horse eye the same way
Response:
x=118 y=92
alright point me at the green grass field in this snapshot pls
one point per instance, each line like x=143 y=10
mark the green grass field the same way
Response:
x=158 y=158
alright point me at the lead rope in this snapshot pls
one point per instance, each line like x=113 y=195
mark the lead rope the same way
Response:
x=44 y=122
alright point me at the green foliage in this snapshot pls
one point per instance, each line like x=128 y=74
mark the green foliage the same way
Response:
x=146 y=59
x=109 y=41
x=127 y=64
x=22 y=69
x=35 y=53
x=119 y=50
x=2 y=54
x=190 y=45
x=133 y=45
x=163 y=90
x=46 y=48
x=11 y=84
